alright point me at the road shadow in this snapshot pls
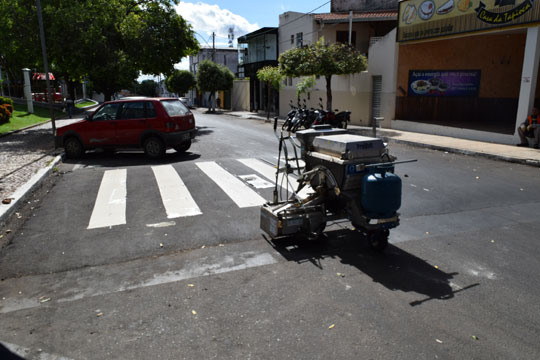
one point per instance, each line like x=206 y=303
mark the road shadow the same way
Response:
x=203 y=130
x=395 y=268
x=105 y=158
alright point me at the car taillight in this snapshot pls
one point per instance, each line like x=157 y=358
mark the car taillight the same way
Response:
x=172 y=126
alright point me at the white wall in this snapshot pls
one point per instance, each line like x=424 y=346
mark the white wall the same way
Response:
x=240 y=95
x=383 y=60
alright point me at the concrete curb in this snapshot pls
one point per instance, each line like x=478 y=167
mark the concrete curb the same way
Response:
x=22 y=193
x=367 y=132
x=528 y=162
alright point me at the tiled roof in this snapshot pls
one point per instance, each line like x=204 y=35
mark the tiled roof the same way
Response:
x=357 y=16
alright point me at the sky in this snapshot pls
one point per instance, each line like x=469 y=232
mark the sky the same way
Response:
x=244 y=16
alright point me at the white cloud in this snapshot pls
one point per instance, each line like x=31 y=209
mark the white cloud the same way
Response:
x=206 y=18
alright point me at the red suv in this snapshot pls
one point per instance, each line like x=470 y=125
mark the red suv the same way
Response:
x=153 y=124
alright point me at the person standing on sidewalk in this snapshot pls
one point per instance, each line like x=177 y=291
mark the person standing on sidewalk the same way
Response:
x=530 y=128
x=69 y=107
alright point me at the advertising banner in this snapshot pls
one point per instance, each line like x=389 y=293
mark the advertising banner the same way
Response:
x=424 y=19
x=444 y=83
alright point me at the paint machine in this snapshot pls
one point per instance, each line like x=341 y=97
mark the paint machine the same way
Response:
x=330 y=174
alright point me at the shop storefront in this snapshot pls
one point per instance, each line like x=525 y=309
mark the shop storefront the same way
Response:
x=468 y=64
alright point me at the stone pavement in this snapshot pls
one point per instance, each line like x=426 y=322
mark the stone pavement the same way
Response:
x=27 y=155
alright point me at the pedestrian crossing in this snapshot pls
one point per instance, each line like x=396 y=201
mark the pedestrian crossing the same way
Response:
x=243 y=188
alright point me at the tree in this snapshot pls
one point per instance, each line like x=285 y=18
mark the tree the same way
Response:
x=212 y=77
x=147 y=88
x=106 y=41
x=305 y=86
x=180 y=82
x=273 y=78
x=322 y=60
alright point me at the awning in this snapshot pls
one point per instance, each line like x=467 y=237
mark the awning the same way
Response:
x=42 y=76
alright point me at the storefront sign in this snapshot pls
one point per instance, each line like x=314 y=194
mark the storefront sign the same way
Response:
x=444 y=83
x=423 y=19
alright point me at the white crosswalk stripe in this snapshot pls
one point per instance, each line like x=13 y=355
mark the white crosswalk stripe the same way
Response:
x=110 y=205
x=176 y=197
x=239 y=192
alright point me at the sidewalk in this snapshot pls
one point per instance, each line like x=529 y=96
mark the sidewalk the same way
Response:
x=26 y=156
x=503 y=152
x=29 y=155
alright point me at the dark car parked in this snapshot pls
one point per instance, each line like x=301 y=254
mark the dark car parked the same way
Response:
x=153 y=124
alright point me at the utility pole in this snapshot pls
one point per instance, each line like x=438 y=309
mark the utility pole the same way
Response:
x=214 y=47
x=46 y=64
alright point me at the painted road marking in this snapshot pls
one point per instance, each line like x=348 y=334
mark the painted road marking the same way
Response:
x=88 y=282
x=25 y=352
x=110 y=205
x=239 y=192
x=269 y=172
x=176 y=197
x=256 y=181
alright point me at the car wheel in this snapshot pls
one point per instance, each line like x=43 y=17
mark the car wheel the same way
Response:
x=73 y=148
x=154 y=148
x=183 y=147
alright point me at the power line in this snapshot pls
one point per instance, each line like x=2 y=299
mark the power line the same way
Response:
x=298 y=18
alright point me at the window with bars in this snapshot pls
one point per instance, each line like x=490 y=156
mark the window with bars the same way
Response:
x=299 y=39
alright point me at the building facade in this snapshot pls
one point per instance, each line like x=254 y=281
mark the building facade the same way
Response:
x=257 y=50
x=467 y=69
x=223 y=56
x=350 y=92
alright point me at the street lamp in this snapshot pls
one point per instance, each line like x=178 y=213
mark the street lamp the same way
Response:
x=46 y=64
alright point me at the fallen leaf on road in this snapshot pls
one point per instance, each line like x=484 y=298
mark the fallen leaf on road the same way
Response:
x=190 y=285
x=340 y=274
x=478 y=178
x=6 y=201
x=8 y=231
x=160 y=244
x=439 y=341
x=492 y=241
x=99 y=314
x=193 y=312
x=221 y=245
x=202 y=247
x=436 y=267
x=332 y=326
x=44 y=299
x=475 y=337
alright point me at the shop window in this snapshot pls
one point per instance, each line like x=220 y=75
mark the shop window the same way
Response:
x=292 y=39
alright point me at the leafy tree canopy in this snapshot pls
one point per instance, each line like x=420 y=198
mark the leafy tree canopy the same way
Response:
x=322 y=59
x=180 y=82
x=212 y=77
x=105 y=41
x=147 y=88
x=271 y=75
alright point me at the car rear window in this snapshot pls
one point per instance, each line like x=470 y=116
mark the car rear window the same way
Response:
x=175 y=108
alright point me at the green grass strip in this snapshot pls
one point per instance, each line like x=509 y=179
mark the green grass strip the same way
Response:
x=84 y=104
x=21 y=118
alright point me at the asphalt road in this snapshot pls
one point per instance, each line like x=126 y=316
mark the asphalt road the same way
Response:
x=459 y=280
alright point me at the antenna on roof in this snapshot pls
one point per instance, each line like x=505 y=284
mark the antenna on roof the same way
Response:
x=231 y=36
